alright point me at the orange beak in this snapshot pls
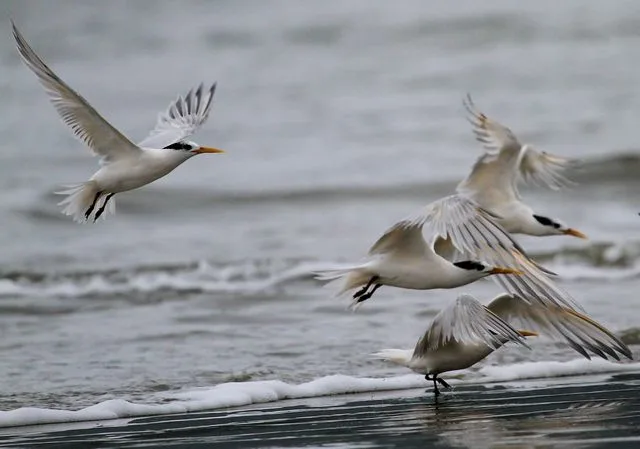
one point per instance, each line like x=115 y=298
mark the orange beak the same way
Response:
x=575 y=233
x=207 y=150
x=500 y=270
x=528 y=333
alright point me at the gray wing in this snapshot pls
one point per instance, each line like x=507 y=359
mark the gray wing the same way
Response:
x=467 y=321
x=182 y=118
x=545 y=169
x=579 y=331
x=474 y=233
x=85 y=122
x=506 y=160
x=401 y=238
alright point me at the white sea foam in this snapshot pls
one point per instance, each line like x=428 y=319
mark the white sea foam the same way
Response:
x=247 y=278
x=236 y=394
x=536 y=370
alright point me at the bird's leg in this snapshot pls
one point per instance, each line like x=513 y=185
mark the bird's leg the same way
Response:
x=368 y=295
x=93 y=205
x=443 y=383
x=364 y=289
x=433 y=378
x=101 y=210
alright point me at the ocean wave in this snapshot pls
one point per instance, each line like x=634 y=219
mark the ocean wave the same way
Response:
x=621 y=168
x=202 y=277
x=605 y=261
x=236 y=394
x=595 y=254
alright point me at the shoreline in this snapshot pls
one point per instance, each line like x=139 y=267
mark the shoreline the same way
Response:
x=588 y=410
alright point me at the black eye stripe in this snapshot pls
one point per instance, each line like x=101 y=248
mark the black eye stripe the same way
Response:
x=546 y=221
x=469 y=265
x=178 y=146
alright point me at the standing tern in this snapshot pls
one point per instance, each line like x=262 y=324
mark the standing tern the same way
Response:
x=466 y=332
x=493 y=181
x=461 y=334
x=124 y=165
x=403 y=258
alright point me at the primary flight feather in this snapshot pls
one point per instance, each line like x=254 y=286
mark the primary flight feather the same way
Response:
x=493 y=181
x=124 y=165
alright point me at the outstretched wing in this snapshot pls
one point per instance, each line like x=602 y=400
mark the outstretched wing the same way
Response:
x=474 y=232
x=401 y=238
x=85 y=122
x=467 y=321
x=182 y=118
x=545 y=169
x=579 y=331
x=506 y=160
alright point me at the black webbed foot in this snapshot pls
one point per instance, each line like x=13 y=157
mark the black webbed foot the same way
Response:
x=364 y=289
x=436 y=380
x=93 y=205
x=362 y=295
x=104 y=205
x=368 y=295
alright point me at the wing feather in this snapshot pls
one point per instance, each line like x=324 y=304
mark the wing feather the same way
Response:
x=582 y=333
x=182 y=118
x=85 y=122
x=474 y=232
x=506 y=161
x=467 y=321
x=399 y=238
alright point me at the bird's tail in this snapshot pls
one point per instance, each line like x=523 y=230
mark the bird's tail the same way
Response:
x=347 y=277
x=83 y=201
x=397 y=356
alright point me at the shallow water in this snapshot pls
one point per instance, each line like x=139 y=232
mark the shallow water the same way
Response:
x=338 y=120
x=575 y=412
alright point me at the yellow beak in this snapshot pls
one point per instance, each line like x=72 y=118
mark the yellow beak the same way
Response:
x=528 y=333
x=501 y=270
x=207 y=150
x=575 y=233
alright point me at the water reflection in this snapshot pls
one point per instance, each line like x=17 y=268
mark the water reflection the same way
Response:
x=526 y=419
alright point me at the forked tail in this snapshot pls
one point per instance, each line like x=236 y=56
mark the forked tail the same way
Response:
x=347 y=277
x=398 y=356
x=85 y=202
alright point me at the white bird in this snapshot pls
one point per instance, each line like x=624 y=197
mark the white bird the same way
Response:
x=493 y=181
x=409 y=255
x=460 y=335
x=466 y=332
x=403 y=258
x=124 y=165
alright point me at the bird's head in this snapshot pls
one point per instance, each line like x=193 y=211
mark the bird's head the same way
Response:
x=191 y=148
x=549 y=226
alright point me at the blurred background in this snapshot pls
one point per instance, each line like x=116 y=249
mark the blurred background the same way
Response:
x=338 y=119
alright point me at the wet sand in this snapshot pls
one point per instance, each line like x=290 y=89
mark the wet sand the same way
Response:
x=584 y=411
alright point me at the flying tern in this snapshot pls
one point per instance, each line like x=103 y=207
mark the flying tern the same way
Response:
x=124 y=165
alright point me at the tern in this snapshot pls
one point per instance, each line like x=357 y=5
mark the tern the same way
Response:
x=493 y=181
x=124 y=165
x=461 y=334
x=416 y=253
x=466 y=332
x=403 y=258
